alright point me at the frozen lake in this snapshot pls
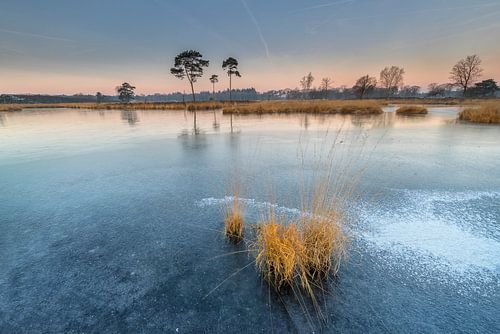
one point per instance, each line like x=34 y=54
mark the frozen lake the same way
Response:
x=111 y=221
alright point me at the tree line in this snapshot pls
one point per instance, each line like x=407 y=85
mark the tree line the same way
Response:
x=190 y=65
x=463 y=75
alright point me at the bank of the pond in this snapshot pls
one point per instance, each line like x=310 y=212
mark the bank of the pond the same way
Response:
x=245 y=107
x=487 y=112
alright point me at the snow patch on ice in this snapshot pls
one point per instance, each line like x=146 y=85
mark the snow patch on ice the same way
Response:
x=415 y=224
x=409 y=226
x=249 y=203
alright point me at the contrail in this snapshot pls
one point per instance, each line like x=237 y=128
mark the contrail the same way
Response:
x=27 y=34
x=329 y=4
x=254 y=20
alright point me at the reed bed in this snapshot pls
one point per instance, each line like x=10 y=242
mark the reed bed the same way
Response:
x=487 y=113
x=192 y=106
x=357 y=107
x=20 y=107
x=411 y=110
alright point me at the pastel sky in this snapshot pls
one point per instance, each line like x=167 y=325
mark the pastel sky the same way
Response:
x=70 y=46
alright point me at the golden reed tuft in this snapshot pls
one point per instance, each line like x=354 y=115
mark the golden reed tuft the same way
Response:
x=280 y=252
x=234 y=222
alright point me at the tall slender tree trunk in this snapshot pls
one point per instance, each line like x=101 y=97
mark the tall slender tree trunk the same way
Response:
x=230 y=89
x=194 y=109
x=192 y=91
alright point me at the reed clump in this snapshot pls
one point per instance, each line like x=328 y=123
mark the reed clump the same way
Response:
x=487 y=113
x=411 y=110
x=356 y=107
x=299 y=253
x=279 y=252
x=234 y=223
x=324 y=245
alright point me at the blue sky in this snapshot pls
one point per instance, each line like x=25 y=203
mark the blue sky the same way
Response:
x=66 y=46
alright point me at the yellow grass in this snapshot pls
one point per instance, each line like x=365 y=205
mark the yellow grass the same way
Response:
x=359 y=107
x=234 y=223
x=289 y=106
x=488 y=112
x=411 y=110
x=209 y=105
x=324 y=245
x=19 y=107
x=280 y=252
x=307 y=251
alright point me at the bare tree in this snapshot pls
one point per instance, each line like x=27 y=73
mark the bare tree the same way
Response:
x=306 y=83
x=364 y=85
x=325 y=85
x=466 y=72
x=391 y=78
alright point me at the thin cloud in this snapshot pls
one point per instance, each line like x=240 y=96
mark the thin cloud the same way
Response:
x=419 y=11
x=315 y=26
x=256 y=23
x=28 y=34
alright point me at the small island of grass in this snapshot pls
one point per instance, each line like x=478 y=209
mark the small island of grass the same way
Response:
x=314 y=107
x=411 y=110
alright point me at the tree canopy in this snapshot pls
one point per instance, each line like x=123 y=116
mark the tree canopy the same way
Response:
x=189 y=64
x=466 y=71
x=125 y=92
x=391 y=78
x=485 y=88
x=230 y=65
x=364 y=85
x=214 y=78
